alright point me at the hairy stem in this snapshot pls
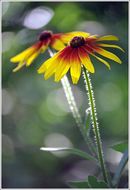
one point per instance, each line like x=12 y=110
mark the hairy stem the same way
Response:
x=95 y=125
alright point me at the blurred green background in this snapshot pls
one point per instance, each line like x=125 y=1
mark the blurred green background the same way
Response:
x=35 y=112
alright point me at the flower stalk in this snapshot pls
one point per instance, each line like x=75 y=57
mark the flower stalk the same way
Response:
x=71 y=101
x=95 y=125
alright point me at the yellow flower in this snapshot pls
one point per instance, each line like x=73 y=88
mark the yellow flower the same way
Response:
x=46 y=38
x=77 y=54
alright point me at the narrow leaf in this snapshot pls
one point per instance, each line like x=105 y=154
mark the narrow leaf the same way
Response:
x=70 y=150
x=120 y=168
x=94 y=183
x=121 y=147
x=78 y=184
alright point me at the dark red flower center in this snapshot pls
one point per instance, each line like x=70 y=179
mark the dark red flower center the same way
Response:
x=45 y=35
x=77 y=41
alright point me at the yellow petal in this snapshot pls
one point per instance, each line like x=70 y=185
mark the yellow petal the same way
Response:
x=112 y=46
x=86 y=60
x=43 y=48
x=21 y=56
x=93 y=36
x=51 y=69
x=102 y=60
x=57 y=44
x=20 y=65
x=46 y=64
x=109 y=55
x=75 y=69
x=62 y=68
x=54 y=61
x=109 y=37
x=68 y=36
x=32 y=58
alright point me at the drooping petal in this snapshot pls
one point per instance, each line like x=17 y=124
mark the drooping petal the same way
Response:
x=85 y=60
x=43 y=48
x=102 y=60
x=111 y=46
x=19 y=66
x=63 y=66
x=108 y=38
x=108 y=54
x=32 y=58
x=26 y=53
x=68 y=36
x=75 y=69
x=45 y=65
x=54 y=62
x=51 y=69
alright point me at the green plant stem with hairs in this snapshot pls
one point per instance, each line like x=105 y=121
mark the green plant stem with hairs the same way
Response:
x=75 y=112
x=95 y=126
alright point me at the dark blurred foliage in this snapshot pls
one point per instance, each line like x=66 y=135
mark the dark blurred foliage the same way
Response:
x=35 y=111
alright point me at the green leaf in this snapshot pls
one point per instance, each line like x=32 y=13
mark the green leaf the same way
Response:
x=94 y=183
x=121 y=147
x=120 y=168
x=78 y=184
x=70 y=150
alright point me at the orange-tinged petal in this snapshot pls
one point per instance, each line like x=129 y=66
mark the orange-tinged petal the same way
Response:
x=108 y=54
x=84 y=57
x=26 y=53
x=54 y=64
x=57 y=44
x=43 y=48
x=75 y=69
x=54 y=61
x=107 y=38
x=63 y=66
x=111 y=46
x=102 y=60
x=68 y=36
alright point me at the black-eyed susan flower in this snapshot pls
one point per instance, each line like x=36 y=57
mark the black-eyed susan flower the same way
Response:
x=77 y=54
x=46 y=38
x=30 y=54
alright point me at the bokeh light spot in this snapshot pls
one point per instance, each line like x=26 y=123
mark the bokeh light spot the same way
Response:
x=57 y=140
x=109 y=96
x=7 y=40
x=38 y=17
x=82 y=169
x=92 y=27
x=8 y=147
x=8 y=102
x=57 y=99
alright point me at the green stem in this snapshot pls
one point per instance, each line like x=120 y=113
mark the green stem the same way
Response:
x=95 y=125
x=71 y=100
x=75 y=112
